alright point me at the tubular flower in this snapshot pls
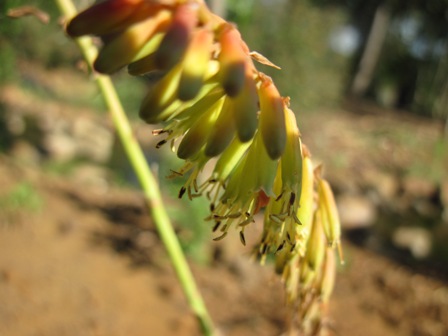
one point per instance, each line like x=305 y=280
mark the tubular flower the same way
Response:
x=214 y=103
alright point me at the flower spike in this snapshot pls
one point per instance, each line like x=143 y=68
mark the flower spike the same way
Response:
x=214 y=103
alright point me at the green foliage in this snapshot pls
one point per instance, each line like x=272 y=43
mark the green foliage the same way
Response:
x=434 y=167
x=295 y=36
x=28 y=39
x=62 y=168
x=23 y=197
x=7 y=58
x=240 y=11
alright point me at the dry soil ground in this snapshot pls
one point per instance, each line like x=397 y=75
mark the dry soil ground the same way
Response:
x=90 y=263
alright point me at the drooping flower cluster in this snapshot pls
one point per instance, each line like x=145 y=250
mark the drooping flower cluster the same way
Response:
x=214 y=103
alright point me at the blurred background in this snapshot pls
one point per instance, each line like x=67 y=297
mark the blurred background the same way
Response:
x=368 y=80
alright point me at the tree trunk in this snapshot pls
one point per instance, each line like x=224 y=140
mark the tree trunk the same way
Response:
x=372 y=51
x=219 y=7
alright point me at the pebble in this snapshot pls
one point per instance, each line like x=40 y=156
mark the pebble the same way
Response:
x=415 y=239
x=356 y=211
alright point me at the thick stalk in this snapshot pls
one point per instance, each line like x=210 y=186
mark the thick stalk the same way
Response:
x=146 y=179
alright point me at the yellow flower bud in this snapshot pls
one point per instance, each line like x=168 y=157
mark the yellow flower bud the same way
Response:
x=177 y=37
x=232 y=59
x=272 y=118
x=246 y=108
x=330 y=215
x=123 y=48
x=316 y=244
x=160 y=96
x=195 y=64
x=328 y=275
x=305 y=211
x=223 y=130
x=197 y=135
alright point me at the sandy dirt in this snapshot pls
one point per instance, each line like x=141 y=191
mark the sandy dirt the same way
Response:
x=89 y=262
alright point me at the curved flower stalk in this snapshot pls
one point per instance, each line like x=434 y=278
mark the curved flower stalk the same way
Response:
x=214 y=103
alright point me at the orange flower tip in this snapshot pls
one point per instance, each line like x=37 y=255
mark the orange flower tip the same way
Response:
x=99 y=19
x=233 y=60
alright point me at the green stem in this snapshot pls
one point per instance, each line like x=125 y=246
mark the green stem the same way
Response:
x=146 y=179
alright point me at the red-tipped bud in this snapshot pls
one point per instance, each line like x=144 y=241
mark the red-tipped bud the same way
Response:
x=177 y=37
x=110 y=16
x=222 y=131
x=272 y=119
x=195 y=64
x=233 y=61
x=245 y=109
x=121 y=50
x=199 y=132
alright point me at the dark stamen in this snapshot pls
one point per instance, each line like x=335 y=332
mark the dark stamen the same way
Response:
x=292 y=198
x=161 y=143
x=182 y=192
x=218 y=223
x=243 y=240
x=279 y=196
x=280 y=247
x=220 y=237
x=264 y=249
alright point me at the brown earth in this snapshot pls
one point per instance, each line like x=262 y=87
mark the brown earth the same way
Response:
x=89 y=262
